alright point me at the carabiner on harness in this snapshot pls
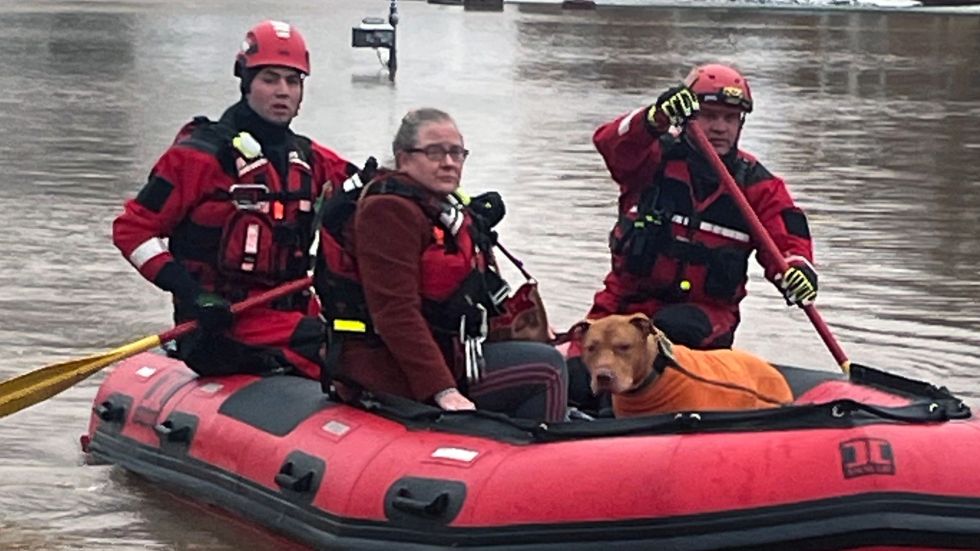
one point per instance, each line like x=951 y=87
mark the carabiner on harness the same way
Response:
x=250 y=197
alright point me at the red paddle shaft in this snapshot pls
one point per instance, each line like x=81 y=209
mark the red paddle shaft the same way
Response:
x=764 y=240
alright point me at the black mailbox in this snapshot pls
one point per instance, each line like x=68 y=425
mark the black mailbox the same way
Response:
x=373 y=32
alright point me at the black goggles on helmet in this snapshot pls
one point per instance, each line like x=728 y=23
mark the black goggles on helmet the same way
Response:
x=729 y=95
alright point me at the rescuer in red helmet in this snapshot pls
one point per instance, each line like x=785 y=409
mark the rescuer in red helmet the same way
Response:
x=680 y=248
x=235 y=198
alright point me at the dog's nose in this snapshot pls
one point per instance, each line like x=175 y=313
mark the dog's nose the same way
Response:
x=604 y=378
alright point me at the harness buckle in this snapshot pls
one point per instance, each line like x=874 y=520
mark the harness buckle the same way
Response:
x=473 y=346
x=250 y=197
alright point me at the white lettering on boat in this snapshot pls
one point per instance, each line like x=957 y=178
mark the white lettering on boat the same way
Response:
x=456 y=454
x=336 y=428
x=146 y=372
x=210 y=388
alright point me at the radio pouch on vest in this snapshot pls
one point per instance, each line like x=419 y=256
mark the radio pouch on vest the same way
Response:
x=248 y=248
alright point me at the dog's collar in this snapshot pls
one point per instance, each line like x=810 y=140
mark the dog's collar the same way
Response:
x=660 y=363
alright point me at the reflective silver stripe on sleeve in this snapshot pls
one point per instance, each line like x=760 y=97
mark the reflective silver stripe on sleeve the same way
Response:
x=624 y=125
x=714 y=228
x=150 y=249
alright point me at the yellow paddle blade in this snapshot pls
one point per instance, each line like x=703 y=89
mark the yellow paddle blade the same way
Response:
x=33 y=387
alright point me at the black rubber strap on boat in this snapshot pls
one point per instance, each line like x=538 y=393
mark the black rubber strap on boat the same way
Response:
x=330 y=370
x=870 y=376
x=335 y=343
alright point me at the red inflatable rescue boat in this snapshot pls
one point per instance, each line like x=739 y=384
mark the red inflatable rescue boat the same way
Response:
x=873 y=461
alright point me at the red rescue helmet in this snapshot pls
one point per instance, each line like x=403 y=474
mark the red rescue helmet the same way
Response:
x=272 y=43
x=717 y=83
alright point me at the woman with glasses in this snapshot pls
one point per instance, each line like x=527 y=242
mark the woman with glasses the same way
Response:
x=409 y=283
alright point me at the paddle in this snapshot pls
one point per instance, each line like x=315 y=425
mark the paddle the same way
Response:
x=765 y=241
x=34 y=387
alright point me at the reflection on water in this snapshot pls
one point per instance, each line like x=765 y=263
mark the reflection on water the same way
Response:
x=870 y=117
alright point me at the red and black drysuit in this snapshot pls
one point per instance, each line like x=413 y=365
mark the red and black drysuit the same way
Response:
x=681 y=246
x=395 y=282
x=239 y=222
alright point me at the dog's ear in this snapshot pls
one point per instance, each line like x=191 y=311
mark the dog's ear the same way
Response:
x=643 y=323
x=577 y=331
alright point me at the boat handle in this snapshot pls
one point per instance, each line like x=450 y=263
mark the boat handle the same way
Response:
x=286 y=479
x=109 y=412
x=435 y=507
x=167 y=430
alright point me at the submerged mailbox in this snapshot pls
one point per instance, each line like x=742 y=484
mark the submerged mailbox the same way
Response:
x=373 y=32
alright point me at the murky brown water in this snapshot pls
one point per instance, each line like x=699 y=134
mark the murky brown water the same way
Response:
x=871 y=117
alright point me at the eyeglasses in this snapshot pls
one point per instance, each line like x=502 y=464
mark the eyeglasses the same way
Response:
x=436 y=152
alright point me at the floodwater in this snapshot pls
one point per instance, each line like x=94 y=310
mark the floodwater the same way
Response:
x=871 y=117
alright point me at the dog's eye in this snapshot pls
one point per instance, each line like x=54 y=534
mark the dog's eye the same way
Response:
x=590 y=348
x=623 y=347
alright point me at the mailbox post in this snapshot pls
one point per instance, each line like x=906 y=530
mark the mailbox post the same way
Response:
x=374 y=32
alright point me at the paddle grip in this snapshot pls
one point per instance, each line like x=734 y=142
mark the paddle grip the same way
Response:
x=262 y=298
x=762 y=237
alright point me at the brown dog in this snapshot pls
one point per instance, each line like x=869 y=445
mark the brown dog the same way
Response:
x=627 y=356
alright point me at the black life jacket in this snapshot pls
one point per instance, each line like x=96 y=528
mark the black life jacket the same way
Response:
x=458 y=271
x=267 y=238
x=684 y=219
x=459 y=278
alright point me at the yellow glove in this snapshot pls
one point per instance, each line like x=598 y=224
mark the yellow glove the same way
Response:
x=798 y=283
x=673 y=108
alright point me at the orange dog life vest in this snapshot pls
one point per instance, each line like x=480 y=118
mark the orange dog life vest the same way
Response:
x=676 y=391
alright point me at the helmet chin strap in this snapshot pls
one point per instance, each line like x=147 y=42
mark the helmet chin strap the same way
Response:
x=247 y=76
x=738 y=136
